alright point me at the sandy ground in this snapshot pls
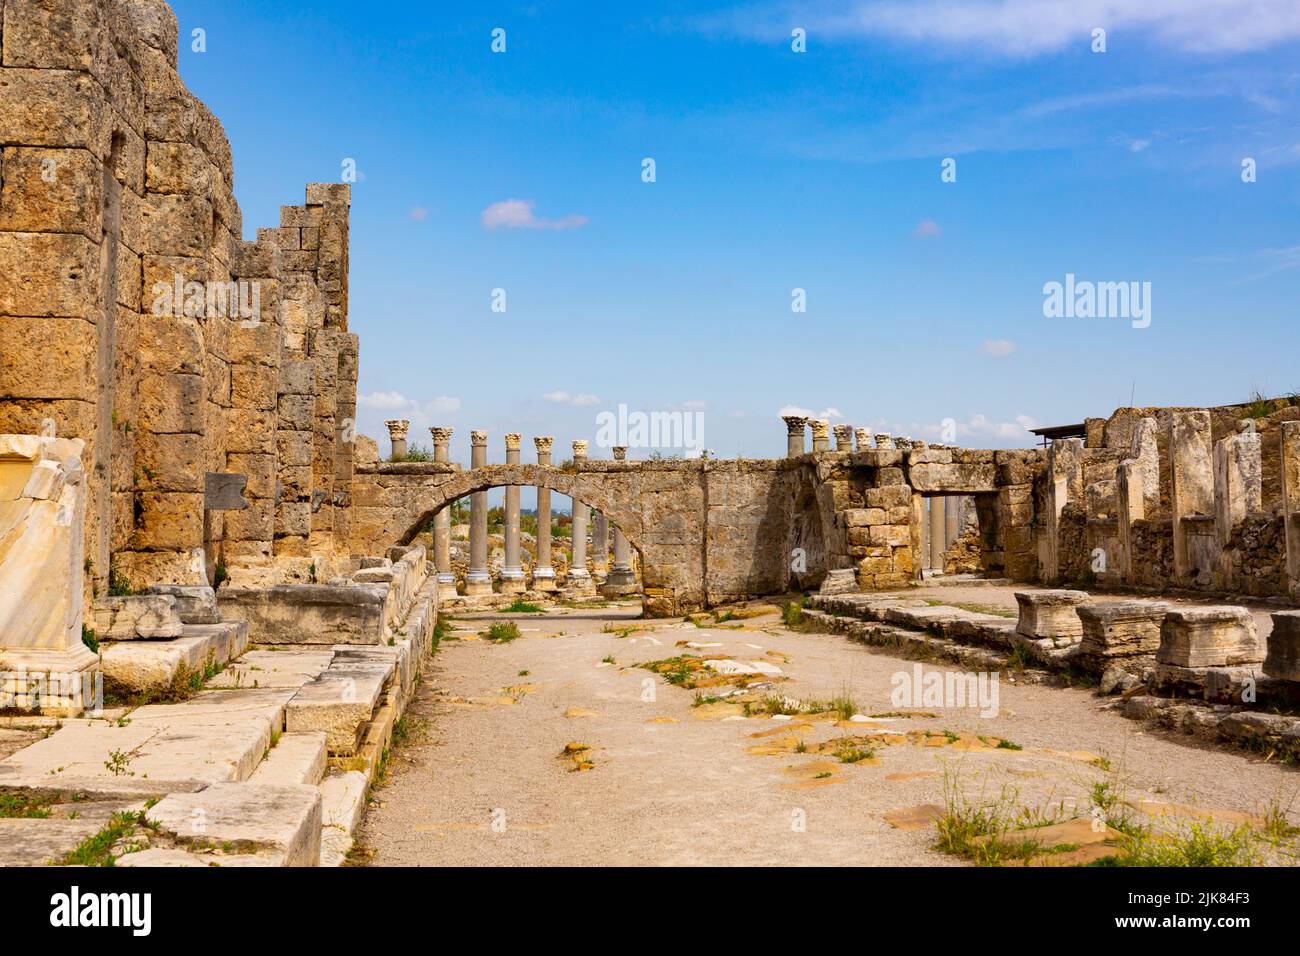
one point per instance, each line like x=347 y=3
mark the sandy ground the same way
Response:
x=481 y=780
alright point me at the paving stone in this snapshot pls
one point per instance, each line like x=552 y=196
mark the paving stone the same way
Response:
x=37 y=842
x=135 y=666
x=265 y=668
x=247 y=817
x=296 y=758
x=343 y=799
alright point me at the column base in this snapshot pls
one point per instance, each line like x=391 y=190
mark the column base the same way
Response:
x=544 y=579
x=620 y=577
x=56 y=683
x=619 y=590
x=478 y=584
x=512 y=581
x=578 y=578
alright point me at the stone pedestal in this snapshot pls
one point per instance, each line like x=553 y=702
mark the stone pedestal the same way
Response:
x=543 y=573
x=1121 y=629
x=1209 y=637
x=478 y=581
x=1283 y=660
x=512 y=572
x=1051 y=614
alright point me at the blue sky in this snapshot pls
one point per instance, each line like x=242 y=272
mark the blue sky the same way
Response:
x=779 y=170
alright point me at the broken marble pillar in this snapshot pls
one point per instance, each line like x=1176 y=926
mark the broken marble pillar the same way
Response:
x=821 y=435
x=1130 y=507
x=1220 y=636
x=42 y=564
x=1051 y=614
x=1121 y=629
x=1283 y=660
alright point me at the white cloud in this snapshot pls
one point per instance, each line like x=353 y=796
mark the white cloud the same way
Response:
x=998 y=348
x=979 y=428
x=826 y=413
x=384 y=401
x=421 y=414
x=561 y=397
x=518 y=214
x=927 y=229
x=1023 y=28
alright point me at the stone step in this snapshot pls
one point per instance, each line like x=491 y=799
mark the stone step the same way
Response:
x=136 y=666
x=246 y=818
x=295 y=758
x=341 y=702
x=343 y=801
x=289 y=667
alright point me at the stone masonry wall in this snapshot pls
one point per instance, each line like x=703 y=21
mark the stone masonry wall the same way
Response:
x=116 y=194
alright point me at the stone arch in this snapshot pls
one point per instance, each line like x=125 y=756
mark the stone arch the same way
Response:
x=610 y=493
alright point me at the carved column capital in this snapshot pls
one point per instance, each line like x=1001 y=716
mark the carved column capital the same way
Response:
x=579 y=448
x=397 y=428
x=478 y=437
x=512 y=441
x=440 y=436
x=620 y=452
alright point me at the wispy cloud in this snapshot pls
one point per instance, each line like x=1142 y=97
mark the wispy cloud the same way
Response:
x=998 y=348
x=1028 y=28
x=561 y=397
x=829 y=414
x=927 y=229
x=518 y=214
x=420 y=413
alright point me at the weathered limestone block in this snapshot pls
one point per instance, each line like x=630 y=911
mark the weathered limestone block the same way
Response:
x=1121 y=628
x=340 y=702
x=1051 y=614
x=309 y=613
x=136 y=666
x=842 y=581
x=1283 y=660
x=137 y=616
x=195 y=603
x=1209 y=637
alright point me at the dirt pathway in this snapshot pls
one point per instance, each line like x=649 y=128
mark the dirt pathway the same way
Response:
x=482 y=779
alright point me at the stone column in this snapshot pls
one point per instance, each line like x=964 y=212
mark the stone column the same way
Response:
x=820 y=434
x=862 y=436
x=1191 y=498
x=442 y=522
x=843 y=437
x=478 y=581
x=1238 y=479
x=952 y=521
x=397 y=435
x=1064 y=483
x=599 y=542
x=1132 y=507
x=543 y=573
x=512 y=572
x=937 y=533
x=884 y=440
x=1291 y=503
x=794 y=431
x=579 y=577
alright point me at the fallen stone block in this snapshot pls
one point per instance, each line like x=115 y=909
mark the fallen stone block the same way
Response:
x=1209 y=637
x=136 y=616
x=1283 y=660
x=246 y=818
x=295 y=758
x=841 y=581
x=1121 y=629
x=1051 y=615
x=195 y=604
x=39 y=842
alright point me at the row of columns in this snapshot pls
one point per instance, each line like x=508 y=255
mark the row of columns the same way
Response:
x=846 y=437
x=478 y=580
x=941 y=529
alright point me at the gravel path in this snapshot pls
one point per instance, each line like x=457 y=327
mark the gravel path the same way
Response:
x=481 y=780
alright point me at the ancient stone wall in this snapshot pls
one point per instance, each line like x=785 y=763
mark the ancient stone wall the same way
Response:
x=133 y=316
